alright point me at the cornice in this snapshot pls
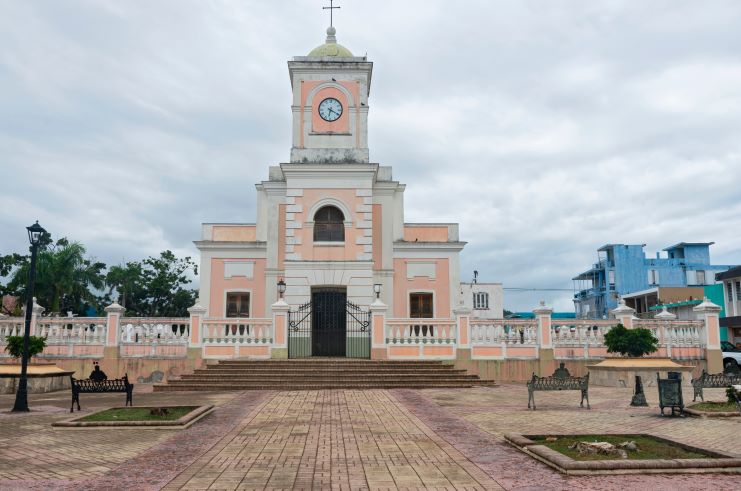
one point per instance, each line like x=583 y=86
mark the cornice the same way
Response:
x=211 y=245
x=429 y=246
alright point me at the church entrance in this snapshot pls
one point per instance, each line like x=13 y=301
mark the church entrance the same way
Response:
x=329 y=322
x=329 y=325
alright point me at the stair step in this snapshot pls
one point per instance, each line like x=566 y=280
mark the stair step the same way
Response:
x=323 y=373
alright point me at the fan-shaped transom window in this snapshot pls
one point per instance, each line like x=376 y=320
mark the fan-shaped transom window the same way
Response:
x=329 y=225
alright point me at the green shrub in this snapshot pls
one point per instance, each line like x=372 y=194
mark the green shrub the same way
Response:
x=36 y=345
x=730 y=395
x=631 y=342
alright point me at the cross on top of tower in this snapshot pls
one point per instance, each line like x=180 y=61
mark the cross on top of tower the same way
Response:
x=331 y=12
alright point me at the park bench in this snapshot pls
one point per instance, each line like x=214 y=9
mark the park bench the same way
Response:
x=88 y=386
x=560 y=380
x=713 y=381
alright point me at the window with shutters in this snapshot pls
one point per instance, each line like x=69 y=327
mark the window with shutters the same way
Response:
x=420 y=305
x=738 y=290
x=701 y=277
x=237 y=304
x=329 y=225
x=480 y=300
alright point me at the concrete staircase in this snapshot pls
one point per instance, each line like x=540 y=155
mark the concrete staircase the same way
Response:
x=322 y=373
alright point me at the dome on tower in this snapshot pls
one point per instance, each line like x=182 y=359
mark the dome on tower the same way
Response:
x=330 y=47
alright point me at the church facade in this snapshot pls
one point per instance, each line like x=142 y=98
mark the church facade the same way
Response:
x=330 y=236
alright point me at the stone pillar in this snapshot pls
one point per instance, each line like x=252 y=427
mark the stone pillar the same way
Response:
x=280 y=329
x=624 y=314
x=197 y=313
x=463 y=323
x=114 y=312
x=546 y=354
x=710 y=313
x=378 y=311
x=665 y=339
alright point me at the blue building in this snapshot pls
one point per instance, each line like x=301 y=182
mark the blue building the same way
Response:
x=622 y=269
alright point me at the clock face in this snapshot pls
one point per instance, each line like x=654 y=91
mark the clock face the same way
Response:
x=330 y=109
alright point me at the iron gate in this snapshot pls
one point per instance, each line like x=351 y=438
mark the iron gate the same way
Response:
x=329 y=325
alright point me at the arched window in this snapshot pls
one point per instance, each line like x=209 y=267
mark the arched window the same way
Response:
x=329 y=225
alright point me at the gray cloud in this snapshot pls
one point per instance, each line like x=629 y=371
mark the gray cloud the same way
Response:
x=545 y=128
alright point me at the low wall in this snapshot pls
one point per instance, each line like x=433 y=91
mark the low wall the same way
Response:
x=142 y=370
x=36 y=384
x=514 y=370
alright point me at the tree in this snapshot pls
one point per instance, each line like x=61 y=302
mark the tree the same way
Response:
x=165 y=278
x=126 y=280
x=632 y=342
x=8 y=264
x=64 y=277
x=154 y=287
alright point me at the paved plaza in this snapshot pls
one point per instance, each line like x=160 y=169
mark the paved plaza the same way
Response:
x=340 y=439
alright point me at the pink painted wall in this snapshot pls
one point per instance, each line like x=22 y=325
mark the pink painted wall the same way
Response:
x=350 y=250
x=440 y=286
x=426 y=234
x=377 y=237
x=318 y=125
x=219 y=285
x=230 y=234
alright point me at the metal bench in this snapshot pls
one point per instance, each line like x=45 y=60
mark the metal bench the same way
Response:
x=560 y=380
x=88 y=386
x=713 y=381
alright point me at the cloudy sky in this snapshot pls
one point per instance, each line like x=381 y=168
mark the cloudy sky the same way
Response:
x=545 y=128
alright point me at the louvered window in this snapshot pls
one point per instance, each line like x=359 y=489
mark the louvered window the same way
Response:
x=329 y=225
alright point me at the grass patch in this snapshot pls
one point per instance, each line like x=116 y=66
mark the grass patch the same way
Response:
x=648 y=447
x=715 y=407
x=138 y=414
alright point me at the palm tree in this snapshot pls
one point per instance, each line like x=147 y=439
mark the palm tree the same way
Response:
x=64 y=277
x=126 y=280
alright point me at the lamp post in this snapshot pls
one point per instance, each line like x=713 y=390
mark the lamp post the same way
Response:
x=281 y=288
x=35 y=232
x=377 y=290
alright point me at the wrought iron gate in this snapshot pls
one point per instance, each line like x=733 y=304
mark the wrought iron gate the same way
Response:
x=329 y=325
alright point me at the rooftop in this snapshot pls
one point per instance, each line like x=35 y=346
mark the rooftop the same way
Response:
x=685 y=244
x=731 y=273
x=330 y=47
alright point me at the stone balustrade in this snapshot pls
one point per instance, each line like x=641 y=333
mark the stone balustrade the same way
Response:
x=504 y=332
x=231 y=330
x=146 y=330
x=540 y=338
x=420 y=331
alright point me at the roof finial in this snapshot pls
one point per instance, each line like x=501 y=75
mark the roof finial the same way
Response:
x=331 y=13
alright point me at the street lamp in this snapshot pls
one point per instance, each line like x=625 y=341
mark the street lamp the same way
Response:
x=377 y=290
x=281 y=288
x=35 y=232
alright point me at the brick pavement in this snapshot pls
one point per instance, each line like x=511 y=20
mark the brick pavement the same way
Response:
x=474 y=420
x=341 y=439
x=35 y=455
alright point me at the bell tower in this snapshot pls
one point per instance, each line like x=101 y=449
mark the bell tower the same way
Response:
x=330 y=104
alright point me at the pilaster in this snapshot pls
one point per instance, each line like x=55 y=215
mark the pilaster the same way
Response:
x=710 y=314
x=114 y=312
x=546 y=354
x=378 y=311
x=624 y=314
x=280 y=326
x=197 y=313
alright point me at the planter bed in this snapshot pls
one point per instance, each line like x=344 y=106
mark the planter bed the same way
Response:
x=680 y=458
x=138 y=417
x=713 y=410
